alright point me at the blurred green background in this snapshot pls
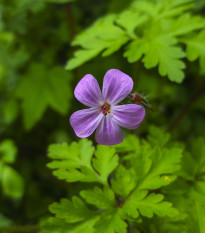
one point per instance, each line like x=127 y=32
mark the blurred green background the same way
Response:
x=38 y=75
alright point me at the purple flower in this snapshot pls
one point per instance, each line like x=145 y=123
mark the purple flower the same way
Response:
x=104 y=115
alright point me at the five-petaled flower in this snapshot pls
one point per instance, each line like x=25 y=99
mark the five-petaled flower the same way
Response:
x=104 y=115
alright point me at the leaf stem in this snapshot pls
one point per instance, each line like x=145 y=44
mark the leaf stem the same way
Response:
x=187 y=107
x=71 y=21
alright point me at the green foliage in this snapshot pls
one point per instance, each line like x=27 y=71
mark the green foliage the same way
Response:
x=127 y=194
x=73 y=165
x=8 y=151
x=148 y=205
x=50 y=87
x=102 y=199
x=74 y=211
x=101 y=37
x=196 y=48
x=11 y=181
x=154 y=32
x=146 y=184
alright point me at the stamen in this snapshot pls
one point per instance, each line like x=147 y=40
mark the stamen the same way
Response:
x=105 y=108
x=81 y=133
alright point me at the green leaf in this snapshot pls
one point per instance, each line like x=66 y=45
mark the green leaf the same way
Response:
x=82 y=56
x=130 y=19
x=164 y=163
x=124 y=181
x=12 y=183
x=155 y=165
x=185 y=24
x=193 y=163
x=73 y=162
x=56 y=225
x=163 y=51
x=196 y=48
x=71 y=211
x=111 y=222
x=103 y=36
x=148 y=205
x=102 y=199
x=136 y=49
x=8 y=151
x=105 y=161
x=50 y=88
x=129 y=144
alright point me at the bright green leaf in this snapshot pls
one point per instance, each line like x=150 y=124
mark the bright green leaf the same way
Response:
x=111 y=222
x=148 y=205
x=73 y=162
x=124 y=181
x=163 y=51
x=102 y=199
x=105 y=161
x=72 y=211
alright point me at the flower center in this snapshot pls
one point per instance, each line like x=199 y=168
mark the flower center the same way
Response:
x=105 y=108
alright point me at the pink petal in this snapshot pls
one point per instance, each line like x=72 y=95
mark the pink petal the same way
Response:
x=84 y=122
x=88 y=91
x=116 y=86
x=108 y=133
x=128 y=116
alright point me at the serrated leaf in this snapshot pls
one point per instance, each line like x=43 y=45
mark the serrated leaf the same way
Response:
x=71 y=211
x=82 y=56
x=163 y=51
x=124 y=181
x=196 y=48
x=185 y=24
x=130 y=19
x=154 y=165
x=136 y=49
x=111 y=222
x=193 y=163
x=105 y=161
x=50 y=88
x=103 y=36
x=101 y=198
x=72 y=163
x=56 y=225
x=164 y=163
x=148 y=205
x=129 y=144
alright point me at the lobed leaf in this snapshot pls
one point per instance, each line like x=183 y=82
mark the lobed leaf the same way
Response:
x=105 y=161
x=101 y=198
x=71 y=211
x=148 y=205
